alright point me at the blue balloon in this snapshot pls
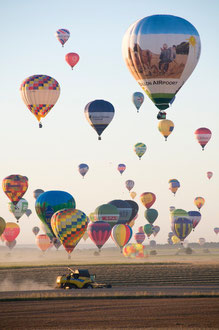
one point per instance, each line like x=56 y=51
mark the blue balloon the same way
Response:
x=99 y=114
x=125 y=210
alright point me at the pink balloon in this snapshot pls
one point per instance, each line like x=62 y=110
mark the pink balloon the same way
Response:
x=72 y=59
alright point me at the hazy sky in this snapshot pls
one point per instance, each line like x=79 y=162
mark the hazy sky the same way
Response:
x=50 y=156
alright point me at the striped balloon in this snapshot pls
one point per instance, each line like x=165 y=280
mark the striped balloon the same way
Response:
x=195 y=217
x=62 y=35
x=121 y=168
x=139 y=237
x=139 y=149
x=69 y=226
x=43 y=242
x=203 y=135
x=182 y=227
x=121 y=235
x=99 y=233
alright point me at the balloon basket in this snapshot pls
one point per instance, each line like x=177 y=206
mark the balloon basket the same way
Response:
x=99 y=138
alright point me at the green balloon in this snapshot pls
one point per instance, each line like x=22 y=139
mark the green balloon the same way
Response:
x=2 y=225
x=151 y=215
x=148 y=229
x=107 y=213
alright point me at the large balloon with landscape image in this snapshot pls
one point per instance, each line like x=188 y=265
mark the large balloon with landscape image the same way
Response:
x=161 y=52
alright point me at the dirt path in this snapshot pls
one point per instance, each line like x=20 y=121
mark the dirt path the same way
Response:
x=174 y=313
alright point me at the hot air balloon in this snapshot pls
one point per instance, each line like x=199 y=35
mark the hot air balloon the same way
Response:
x=125 y=210
x=83 y=168
x=172 y=208
x=147 y=199
x=156 y=230
x=107 y=213
x=138 y=99
x=139 y=149
x=178 y=213
x=209 y=175
x=50 y=202
x=40 y=93
x=165 y=127
x=43 y=242
x=135 y=251
x=133 y=194
x=35 y=230
x=72 y=59
x=174 y=185
x=56 y=243
x=37 y=192
x=99 y=114
x=141 y=229
x=121 y=168
x=161 y=51
x=170 y=234
x=11 y=245
x=11 y=231
x=216 y=230
x=201 y=241
x=199 y=202
x=99 y=233
x=19 y=209
x=203 y=135
x=121 y=235
x=195 y=217
x=175 y=239
x=139 y=237
x=15 y=186
x=62 y=35
x=151 y=215
x=28 y=212
x=2 y=225
x=148 y=229
x=69 y=226
x=152 y=243
x=182 y=227
x=129 y=184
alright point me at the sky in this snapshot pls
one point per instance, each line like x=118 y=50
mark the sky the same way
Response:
x=50 y=156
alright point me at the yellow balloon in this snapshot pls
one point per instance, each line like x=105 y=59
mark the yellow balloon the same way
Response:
x=133 y=194
x=175 y=239
x=166 y=127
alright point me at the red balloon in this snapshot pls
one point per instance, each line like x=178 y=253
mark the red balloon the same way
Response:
x=99 y=232
x=72 y=59
x=203 y=135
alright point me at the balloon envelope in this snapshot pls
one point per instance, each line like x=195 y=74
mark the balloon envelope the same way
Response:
x=139 y=149
x=182 y=227
x=139 y=237
x=121 y=235
x=83 y=168
x=2 y=225
x=199 y=202
x=28 y=212
x=40 y=93
x=11 y=231
x=147 y=199
x=151 y=215
x=129 y=184
x=69 y=226
x=10 y=245
x=99 y=114
x=99 y=232
x=35 y=230
x=62 y=35
x=174 y=185
x=135 y=251
x=133 y=194
x=72 y=59
x=203 y=135
x=195 y=217
x=50 y=202
x=148 y=229
x=161 y=51
x=209 y=175
x=138 y=99
x=134 y=206
x=43 y=242
x=165 y=127
x=121 y=168
x=19 y=209
x=15 y=186
x=37 y=193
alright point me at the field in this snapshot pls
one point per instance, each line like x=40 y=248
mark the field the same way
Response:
x=169 y=290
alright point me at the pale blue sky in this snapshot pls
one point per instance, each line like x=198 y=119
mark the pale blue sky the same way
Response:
x=50 y=156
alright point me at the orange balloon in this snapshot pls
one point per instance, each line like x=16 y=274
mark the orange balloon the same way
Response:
x=147 y=199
